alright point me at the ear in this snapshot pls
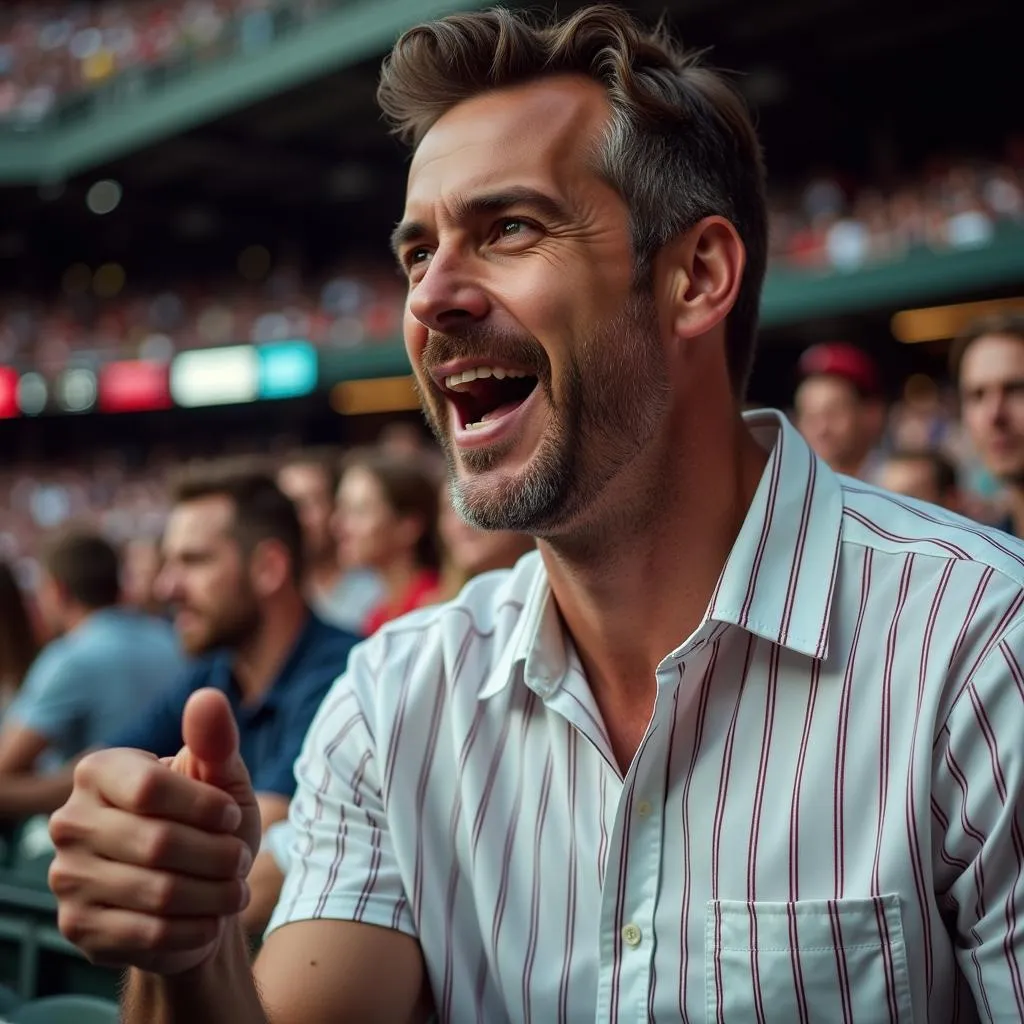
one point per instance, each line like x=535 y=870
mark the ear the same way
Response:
x=270 y=567
x=703 y=268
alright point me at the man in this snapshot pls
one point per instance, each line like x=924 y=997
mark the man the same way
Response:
x=233 y=573
x=343 y=597
x=988 y=368
x=701 y=757
x=839 y=408
x=104 y=661
x=925 y=474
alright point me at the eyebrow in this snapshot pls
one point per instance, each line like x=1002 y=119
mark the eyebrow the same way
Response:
x=468 y=207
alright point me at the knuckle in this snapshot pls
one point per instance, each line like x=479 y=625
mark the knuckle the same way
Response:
x=163 y=893
x=73 y=922
x=63 y=881
x=144 y=790
x=157 y=843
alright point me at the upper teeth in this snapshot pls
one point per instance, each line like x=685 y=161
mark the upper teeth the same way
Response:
x=479 y=373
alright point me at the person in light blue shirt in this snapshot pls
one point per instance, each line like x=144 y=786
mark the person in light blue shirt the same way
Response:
x=105 y=664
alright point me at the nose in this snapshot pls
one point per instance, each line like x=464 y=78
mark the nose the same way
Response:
x=446 y=297
x=166 y=585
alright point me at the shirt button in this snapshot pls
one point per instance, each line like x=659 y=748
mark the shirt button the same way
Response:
x=643 y=809
x=631 y=935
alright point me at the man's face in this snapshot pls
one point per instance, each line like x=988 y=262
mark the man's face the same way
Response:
x=310 y=491
x=992 y=403
x=831 y=416
x=205 y=577
x=541 y=368
x=914 y=478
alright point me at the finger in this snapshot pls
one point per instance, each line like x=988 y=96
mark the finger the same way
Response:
x=151 y=842
x=208 y=727
x=118 y=937
x=144 y=786
x=92 y=881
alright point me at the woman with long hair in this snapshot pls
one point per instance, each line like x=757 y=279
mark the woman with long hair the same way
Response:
x=386 y=520
x=19 y=644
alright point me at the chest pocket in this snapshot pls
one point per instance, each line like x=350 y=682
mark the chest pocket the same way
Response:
x=808 y=962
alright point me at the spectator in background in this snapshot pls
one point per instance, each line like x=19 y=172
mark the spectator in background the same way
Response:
x=386 y=520
x=142 y=562
x=923 y=474
x=105 y=662
x=18 y=641
x=233 y=574
x=840 y=409
x=987 y=364
x=340 y=595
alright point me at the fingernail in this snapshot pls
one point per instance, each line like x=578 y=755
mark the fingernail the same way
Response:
x=232 y=817
x=244 y=862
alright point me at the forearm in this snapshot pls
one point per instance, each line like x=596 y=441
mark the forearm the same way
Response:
x=220 y=990
x=21 y=796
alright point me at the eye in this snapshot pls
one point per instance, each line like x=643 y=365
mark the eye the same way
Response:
x=418 y=255
x=510 y=227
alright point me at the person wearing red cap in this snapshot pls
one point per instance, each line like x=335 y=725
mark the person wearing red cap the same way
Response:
x=839 y=407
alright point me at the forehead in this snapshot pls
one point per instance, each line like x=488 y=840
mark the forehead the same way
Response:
x=302 y=477
x=541 y=134
x=818 y=392
x=992 y=358
x=908 y=469
x=194 y=523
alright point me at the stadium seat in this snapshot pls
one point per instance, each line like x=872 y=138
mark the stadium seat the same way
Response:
x=66 y=1010
x=9 y=1001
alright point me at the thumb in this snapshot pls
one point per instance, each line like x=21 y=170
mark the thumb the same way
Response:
x=211 y=745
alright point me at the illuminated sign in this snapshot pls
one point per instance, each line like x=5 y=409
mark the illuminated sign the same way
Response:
x=134 y=386
x=288 y=369
x=32 y=394
x=8 y=393
x=215 y=376
x=76 y=390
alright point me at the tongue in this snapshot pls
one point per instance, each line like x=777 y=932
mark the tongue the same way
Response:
x=502 y=410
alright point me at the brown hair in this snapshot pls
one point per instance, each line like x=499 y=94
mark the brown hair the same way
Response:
x=680 y=145
x=86 y=566
x=410 y=489
x=262 y=511
x=1003 y=324
x=18 y=646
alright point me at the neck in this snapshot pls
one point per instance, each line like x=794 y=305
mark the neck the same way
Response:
x=634 y=591
x=259 y=660
x=75 y=615
x=398 y=577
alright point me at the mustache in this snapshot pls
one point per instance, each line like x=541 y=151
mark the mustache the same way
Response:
x=481 y=342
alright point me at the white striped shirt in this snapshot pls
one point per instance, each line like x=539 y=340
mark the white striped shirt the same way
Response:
x=822 y=823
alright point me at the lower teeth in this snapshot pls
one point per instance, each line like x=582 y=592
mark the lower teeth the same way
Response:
x=475 y=426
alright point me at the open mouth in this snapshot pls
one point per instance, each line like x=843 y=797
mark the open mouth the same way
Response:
x=484 y=394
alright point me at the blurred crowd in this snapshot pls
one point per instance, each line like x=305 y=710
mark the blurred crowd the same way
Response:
x=836 y=224
x=50 y=51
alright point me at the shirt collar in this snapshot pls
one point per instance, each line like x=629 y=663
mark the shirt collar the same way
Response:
x=777 y=582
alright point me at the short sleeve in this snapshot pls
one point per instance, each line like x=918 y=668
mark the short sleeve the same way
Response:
x=51 y=699
x=978 y=823
x=157 y=728
x=343 y=864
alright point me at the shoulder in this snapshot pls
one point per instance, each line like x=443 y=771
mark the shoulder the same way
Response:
x=889 y=523
x=454 y=646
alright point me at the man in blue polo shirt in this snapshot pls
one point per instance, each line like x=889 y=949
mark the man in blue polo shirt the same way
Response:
x=233 y=575
x=104 y=659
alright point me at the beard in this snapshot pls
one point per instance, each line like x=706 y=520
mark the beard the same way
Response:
x=226 y=628
x=610 y=399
